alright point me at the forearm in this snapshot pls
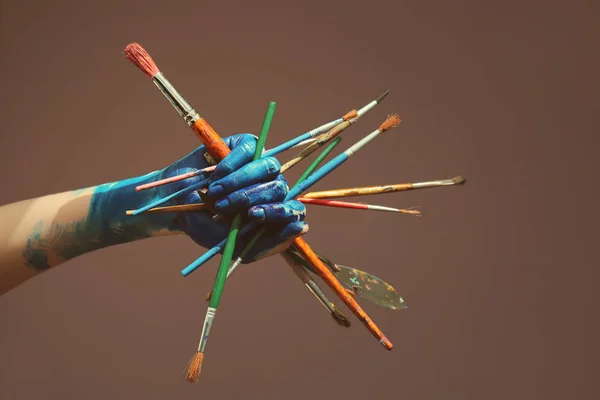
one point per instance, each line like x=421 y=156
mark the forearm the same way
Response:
x=41 y=233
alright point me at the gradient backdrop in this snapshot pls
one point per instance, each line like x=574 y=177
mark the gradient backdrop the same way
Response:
x=499 y=275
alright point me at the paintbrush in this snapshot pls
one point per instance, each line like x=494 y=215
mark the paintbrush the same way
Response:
x=304 y=249
x=368 y=190
x=357 y=206
x=207 y=135
x=194 y=368
x=312 y=286
x=175 y=178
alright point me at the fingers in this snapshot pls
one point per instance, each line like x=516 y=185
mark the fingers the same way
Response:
x=262 y=193
x=242 y=149
x=258 y=171
x=282 y=241
x=278 y=213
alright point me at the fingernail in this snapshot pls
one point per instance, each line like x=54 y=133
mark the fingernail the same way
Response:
x=216 y=191
x=258 y=213
x=221 y=204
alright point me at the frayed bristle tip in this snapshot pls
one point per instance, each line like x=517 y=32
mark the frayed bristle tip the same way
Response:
x=194 y=368
x=391 y=122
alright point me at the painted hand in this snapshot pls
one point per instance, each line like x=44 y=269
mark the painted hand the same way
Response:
x=239 y=185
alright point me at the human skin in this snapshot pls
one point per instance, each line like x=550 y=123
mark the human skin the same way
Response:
x=44 y=232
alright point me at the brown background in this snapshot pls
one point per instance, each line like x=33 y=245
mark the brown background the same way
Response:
x=499 y=274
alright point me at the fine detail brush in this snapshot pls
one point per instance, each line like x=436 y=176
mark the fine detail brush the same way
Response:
x=312 y=286
x=175 y=178
x=357 y=206
x=380 y=189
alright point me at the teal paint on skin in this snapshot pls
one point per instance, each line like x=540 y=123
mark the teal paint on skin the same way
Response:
x=110 y=201
x=35 y=254
x=105 y=225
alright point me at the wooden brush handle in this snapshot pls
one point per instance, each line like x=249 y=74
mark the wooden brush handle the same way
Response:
x=341 y=292
x=215 y=146
x=359 y=191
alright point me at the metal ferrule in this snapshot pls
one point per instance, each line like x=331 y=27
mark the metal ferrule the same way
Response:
x=208 y=321
x=234 y=266
x=421 y=185
x=324 y=128
x=365 y=109
x=182 y=107
x=361 y=143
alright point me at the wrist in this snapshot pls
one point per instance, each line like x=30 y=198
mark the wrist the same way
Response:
x=110 y=202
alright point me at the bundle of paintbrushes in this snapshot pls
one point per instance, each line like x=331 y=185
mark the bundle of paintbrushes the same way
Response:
x=346 y=282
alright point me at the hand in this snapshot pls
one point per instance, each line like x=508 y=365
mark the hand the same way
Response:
x=239 y=185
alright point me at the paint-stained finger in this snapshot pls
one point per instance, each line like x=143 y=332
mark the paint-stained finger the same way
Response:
x=262 y=193
x=242 y=150
x=263 y=170
x=277 y=213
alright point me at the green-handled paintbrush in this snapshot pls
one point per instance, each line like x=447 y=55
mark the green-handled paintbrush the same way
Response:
x=195 y=365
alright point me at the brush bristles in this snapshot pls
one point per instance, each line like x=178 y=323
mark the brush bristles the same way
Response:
x=391 y=122
x=459 y=180
x=341 y=318
x=141 y=59
x=194 y=367
x=410 y=212
x=382 y=96
x=350 y=115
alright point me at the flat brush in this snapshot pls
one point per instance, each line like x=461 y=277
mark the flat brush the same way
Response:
x=380 y=189
x=312 y=286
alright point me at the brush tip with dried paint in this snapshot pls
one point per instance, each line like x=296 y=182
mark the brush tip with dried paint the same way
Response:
x=341 y=318
x=382 y=96
x=194 y=367
x=350 y=115
x=459 y=180
x=141 y=59
x=391 y=122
